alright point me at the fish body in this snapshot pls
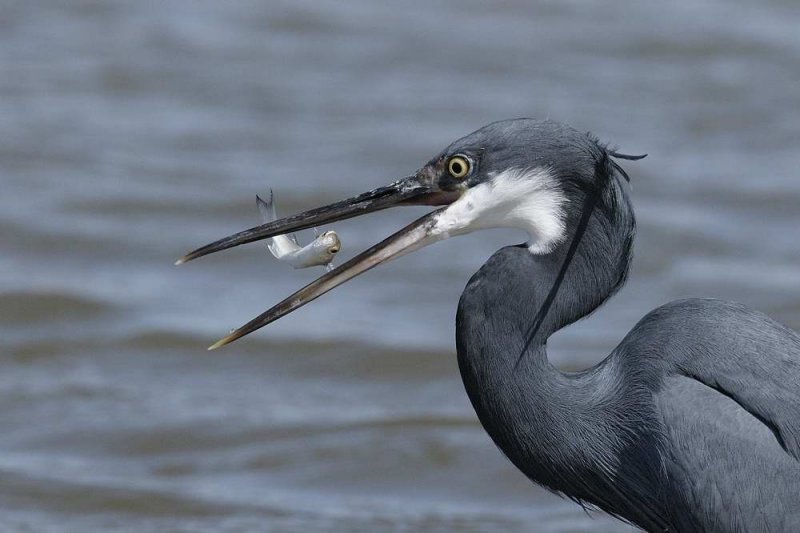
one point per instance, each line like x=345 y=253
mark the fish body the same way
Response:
x=319 y=252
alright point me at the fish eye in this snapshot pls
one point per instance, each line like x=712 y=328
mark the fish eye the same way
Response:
x=458 y=166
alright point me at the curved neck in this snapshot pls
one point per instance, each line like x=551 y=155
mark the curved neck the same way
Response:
x=507 y=312
x=510 y=308
x=572 y=432
x=542 y=293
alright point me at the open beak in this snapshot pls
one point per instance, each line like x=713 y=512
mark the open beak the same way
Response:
x=414 y=190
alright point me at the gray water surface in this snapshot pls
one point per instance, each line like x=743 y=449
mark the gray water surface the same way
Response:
x=132 y=132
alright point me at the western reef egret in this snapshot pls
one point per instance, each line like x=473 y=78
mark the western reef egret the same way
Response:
x=692 y=423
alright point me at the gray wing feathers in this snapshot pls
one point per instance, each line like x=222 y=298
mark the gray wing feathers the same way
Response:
x=728 y=393
x=727 y=464
x=736 y=351
x=753 y=360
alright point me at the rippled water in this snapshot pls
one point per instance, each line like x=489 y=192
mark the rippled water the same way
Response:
x=133 y=132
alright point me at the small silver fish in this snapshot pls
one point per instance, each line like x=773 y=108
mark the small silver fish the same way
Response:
x=319 y=252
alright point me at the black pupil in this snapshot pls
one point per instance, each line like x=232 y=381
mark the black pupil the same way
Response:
x=457 y=168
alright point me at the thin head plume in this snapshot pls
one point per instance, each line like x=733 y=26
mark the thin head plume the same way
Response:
x=618 y=168
x=618 y=155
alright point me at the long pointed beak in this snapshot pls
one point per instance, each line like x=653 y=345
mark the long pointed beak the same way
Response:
x=414 y=236
x=414 y=190
x=409 y=190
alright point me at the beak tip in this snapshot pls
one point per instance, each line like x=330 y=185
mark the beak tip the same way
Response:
x=218 y=344
x=225 y=340
x=180 y=261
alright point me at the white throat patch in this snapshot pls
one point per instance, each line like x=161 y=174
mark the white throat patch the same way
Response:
x=529 y=200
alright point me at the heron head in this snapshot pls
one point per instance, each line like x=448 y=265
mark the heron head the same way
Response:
x=526 y=174
x=521 y=173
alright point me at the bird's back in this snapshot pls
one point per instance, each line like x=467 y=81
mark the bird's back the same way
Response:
x=725 y=382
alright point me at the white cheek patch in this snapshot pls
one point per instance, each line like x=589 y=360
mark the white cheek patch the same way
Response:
x=529 y=200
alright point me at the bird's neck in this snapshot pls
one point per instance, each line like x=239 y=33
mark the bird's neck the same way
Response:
x=506 y=314
x=522 y=298
x=546 y=421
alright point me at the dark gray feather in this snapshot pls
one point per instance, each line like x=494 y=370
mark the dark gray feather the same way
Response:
x=691 y=424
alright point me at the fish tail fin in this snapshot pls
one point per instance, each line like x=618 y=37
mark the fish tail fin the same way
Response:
x=266 y=208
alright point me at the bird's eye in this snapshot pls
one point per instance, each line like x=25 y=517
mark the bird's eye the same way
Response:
x=458 y=166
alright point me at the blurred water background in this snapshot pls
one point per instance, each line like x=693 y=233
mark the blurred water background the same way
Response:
x=132 y=132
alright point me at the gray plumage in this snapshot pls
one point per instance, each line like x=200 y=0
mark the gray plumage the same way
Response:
x=691 y=424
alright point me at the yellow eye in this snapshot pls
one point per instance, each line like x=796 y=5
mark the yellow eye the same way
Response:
x=458 y=166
